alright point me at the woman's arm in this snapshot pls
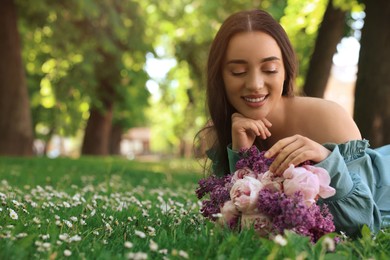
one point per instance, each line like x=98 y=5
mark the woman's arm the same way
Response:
x=317 y=122
x=353 y=205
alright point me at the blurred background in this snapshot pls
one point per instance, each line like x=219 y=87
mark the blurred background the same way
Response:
x=127 y=77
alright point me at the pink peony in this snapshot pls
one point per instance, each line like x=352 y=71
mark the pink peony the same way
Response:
x=244 y=194
x=229 y=212
x=271 y=182
x=326 y=191
x=311 y=181
x=261 y=223
x=241 y=173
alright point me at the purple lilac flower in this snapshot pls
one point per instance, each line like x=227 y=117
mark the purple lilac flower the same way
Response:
x=218 y=190
x=208 y=184
x=209 y=209
x=253 y=159
x=293 y=214
x=256 y=161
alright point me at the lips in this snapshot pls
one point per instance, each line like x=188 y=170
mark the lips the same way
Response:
x=255 y=99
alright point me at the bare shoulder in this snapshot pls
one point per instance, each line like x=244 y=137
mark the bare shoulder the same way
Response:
x=322 y=106
x=326 y=120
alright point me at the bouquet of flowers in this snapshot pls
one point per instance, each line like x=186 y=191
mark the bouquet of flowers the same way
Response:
x=254 y=197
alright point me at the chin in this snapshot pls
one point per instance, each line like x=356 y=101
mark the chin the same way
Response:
x=255 y=115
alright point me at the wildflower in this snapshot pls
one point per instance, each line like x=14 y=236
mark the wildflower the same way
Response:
x=45 y=237
x=74 y=219
x=137 y=256
x=153 y=245
x=68 y=223
x=128 y=244
x=183 y=254
x=75 y=238
x=140 y=234
x=108 y=228
x=279 y=239
x=176 y=221
x=163 y=251
x=67 y=252
x=13 y=214
x=46 y=245
x=329 y=244
x=64 y=236
x=21 y=235
x=151 y=231
x=16 y=203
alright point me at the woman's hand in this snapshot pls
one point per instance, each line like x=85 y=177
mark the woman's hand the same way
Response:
x=245 y=131
x=295 y=150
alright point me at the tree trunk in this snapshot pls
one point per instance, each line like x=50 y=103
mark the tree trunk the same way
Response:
x=115 y=139
x=98 y=130
x=16 y=135
x=329 y=35
x=372 y=94
x=97 y=133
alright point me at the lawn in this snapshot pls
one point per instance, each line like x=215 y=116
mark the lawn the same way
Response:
x=111 y=208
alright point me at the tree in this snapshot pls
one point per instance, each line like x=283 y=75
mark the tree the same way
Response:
x=331 y=31
x=122 y=31
x=16 y=135
x=372 y=94
x=82 y=59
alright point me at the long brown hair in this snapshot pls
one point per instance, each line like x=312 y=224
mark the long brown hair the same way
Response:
x=219 y=108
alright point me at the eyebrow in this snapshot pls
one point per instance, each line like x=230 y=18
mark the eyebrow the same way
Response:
x=238 y=61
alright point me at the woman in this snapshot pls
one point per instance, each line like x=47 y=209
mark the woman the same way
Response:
x=250 y=93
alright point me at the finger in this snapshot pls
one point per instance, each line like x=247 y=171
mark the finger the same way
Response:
x=295 y=158
x=262 y=129
x=234 y=115
x=266 y=122
x=279 y=145
x=284 y=156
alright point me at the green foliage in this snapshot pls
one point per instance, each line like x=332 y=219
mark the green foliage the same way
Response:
x=67 y=54
x=112 y=208
x=301 y=22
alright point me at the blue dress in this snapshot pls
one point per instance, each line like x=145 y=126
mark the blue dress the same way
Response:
x=361 y=177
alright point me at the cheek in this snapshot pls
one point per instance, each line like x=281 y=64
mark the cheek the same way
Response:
x=231 y=93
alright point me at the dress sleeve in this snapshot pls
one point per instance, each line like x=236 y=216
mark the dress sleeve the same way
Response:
x=233 y=157
x=353 y=204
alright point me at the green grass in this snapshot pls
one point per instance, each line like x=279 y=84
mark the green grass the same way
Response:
x=111 y=208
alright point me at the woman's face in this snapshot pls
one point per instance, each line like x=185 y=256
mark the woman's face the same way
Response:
x=253 y=73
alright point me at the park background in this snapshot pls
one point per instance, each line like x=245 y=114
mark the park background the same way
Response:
x=128 y=77
x=100 y=101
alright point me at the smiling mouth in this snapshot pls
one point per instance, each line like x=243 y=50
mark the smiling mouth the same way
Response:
x=255 y=99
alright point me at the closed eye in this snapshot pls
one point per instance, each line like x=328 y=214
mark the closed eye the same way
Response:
x=240 y=73
x=271 y=71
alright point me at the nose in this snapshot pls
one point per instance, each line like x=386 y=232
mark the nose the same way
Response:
x=254 y=81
